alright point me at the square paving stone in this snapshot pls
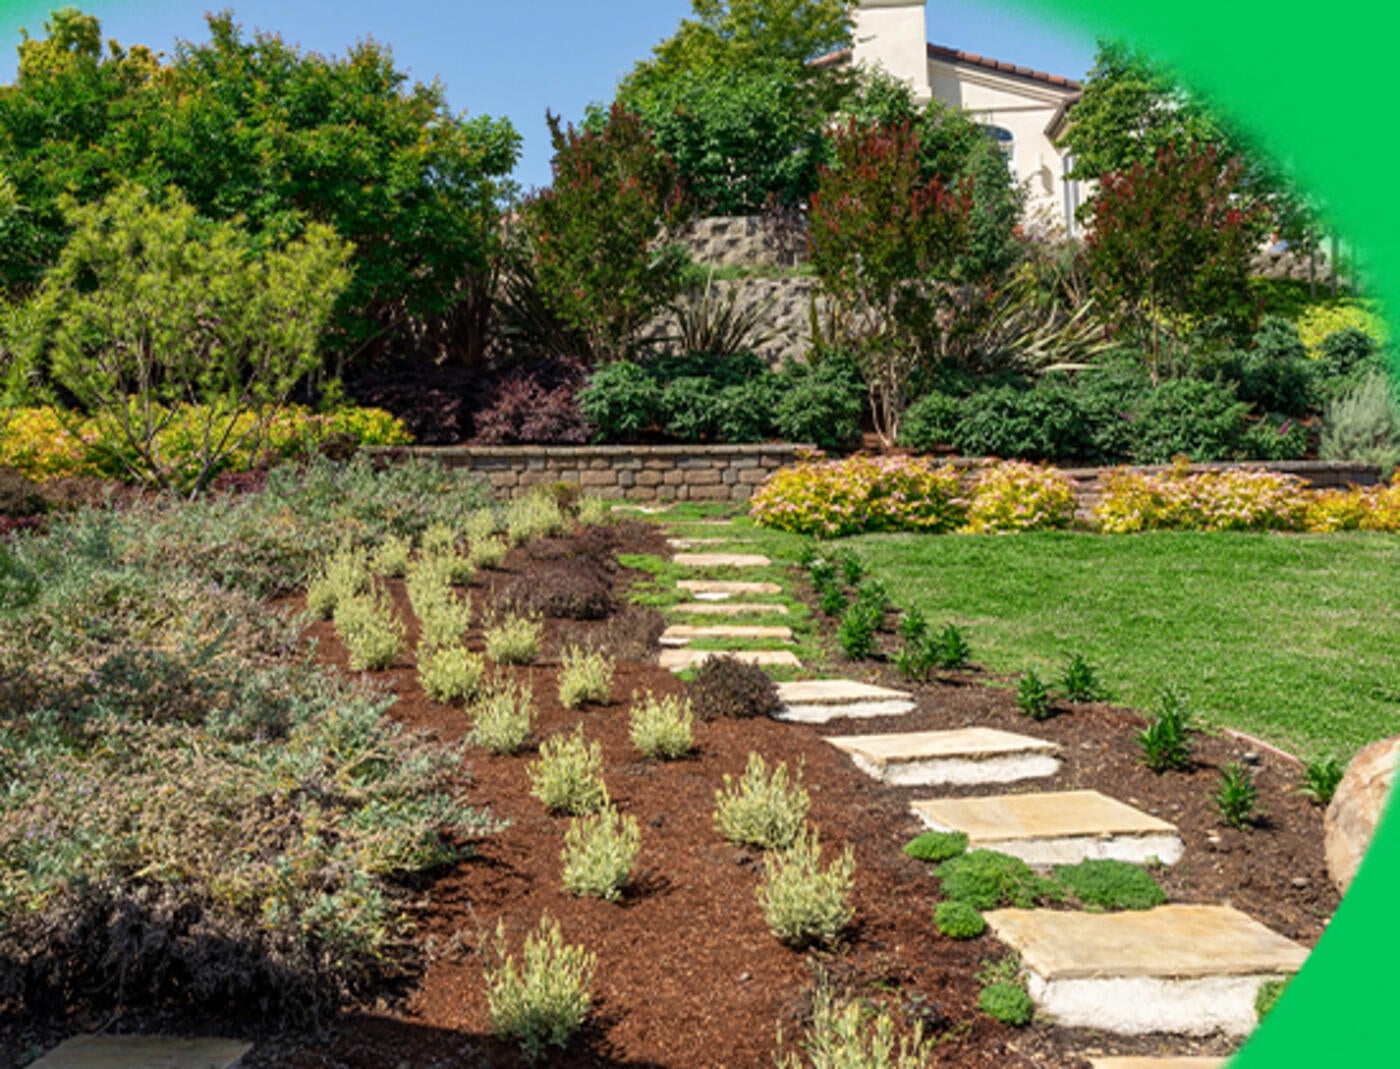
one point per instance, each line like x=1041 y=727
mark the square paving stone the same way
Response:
x=697 y=543
x=679 y=660
x=143 y=1052
x=964 y=756
x=683 y=634
x=729 y=608
x=728 y=588
x=1191 y=970
x=722 y=560
x=834 y=692
x=1055 y=828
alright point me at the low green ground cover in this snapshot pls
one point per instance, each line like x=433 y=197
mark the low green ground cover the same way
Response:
x=1292 y=638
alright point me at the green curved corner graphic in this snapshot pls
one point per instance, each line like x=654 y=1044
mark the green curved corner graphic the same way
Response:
x=1268 y=63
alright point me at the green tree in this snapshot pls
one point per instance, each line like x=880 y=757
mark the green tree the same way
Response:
x=885 y=241
x=1170 y=246
x=600 y=236
x=151 y=308
x=736 y=136
x=254 y=129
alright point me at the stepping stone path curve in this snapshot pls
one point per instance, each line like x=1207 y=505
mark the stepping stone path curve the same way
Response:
x=1184 y=969
x=680 y=660
x=683 y=635
x=729 y=608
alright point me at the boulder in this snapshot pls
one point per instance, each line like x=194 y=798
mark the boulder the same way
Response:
x=1356 y=809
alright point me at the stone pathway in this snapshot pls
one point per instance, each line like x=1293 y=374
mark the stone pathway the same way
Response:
x=143 y=1052
x=1056 y=828
x=1183 y=969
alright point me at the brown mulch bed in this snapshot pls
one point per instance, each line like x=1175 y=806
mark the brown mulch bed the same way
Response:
x=688 y=975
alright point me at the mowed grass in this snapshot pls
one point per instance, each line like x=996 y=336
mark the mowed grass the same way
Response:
x=1295 y=639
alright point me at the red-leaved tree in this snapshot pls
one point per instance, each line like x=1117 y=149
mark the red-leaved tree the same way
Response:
x=599 y=235
x=1171 y=245
x=884 y=242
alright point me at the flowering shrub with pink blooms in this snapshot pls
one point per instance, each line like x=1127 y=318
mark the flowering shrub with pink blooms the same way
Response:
x=1018 y=496
x=1232 y=499
x=863 y=493
x=1369 y=508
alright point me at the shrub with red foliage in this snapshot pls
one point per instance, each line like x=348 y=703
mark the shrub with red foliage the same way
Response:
x=536 y=405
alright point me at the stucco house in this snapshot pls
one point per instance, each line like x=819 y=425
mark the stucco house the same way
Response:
x=1024 y=110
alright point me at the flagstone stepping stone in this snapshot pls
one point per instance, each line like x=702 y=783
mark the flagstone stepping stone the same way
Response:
x=697 y=543
x=683 y=634
x=702 y=588
x=722 y=560
x=143 y=1052
x=965 y=756
x=1177 y=968
x=1148 y=1062
x=1056 y=828
x=679 y=660
x=730 y=608
x=816 y=701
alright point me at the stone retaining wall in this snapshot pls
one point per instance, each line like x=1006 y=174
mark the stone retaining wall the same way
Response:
x=786 y=304
x=637 y=473
x=646 y=473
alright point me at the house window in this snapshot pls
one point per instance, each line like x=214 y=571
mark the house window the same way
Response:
x=1005 y=143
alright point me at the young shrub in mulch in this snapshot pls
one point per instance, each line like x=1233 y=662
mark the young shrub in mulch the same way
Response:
x=450 y=673
x=803 y=904
x=1004 y=991
x=935 y=846
x=1080 y=683
x=567 y=778
x=1165 y=742
x=513 y=639
x=537 y=515
x=599 y=851
x=443 y=617
x=577 y=591
x=728 y=687
x=585 y=677
x=544 y=1000
x=372 y=633
x=664 y=727
x=1321 y=777
x=1236 y=796
x=760 y=810
x=986 y=879
x=1032 y=699
x=502 y=717
x=958 y=920
x=1111 y=885
x=343 y=575
x=390 y=559
x=850 y=1035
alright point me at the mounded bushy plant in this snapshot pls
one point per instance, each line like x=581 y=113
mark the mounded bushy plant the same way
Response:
x=936 y=845
x=729 y=687
x=1015 y=496
x=502 y=716
x=986 y=879
x=1108 y=884
x=450 y=673
x=958 y=920
x=567 y=778
x=512 y=639
x=543 y=1000
x=835 y=498
x=803 y=904
x=759 y=810
x=599 y=852
x=662 y=727
x=372 y=633
x=584 y=677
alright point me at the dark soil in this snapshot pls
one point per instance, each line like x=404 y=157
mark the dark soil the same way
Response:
x=688 y=975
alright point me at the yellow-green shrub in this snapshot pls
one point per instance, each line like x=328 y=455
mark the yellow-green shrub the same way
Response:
x=599 y=851
x=662 y=728
x=450 y=673
x=1017 y=496
x=542 y=1002
x=802 y=903
x=503 y=715
x=1327 y=318
x=761 y=811
x=372 y=633
x=1231 y=499
x=584 y=677
x=568 y=776
x=863 y=493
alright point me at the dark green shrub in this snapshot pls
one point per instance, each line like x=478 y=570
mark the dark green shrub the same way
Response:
x=1031 y=696
x=1188 y=417
x=852 y=569
x=821 y=403
x=1008 y=1003
x=1276 y=438
x=724 y=686
x=985 y=879
x=1321 y=777
x=1165 y=741
x=833 y=600
x=934 y=846
x=622 y=400
x=1046 y=422
x=913 y=625
x=1110 y=393
x=930 y=422
x=1236 y=796
x=1274 y=374
x=690 y=408
x=745 y=411
x=1111 y=885
x=858 y=629
x=958 y=920
x=1080 y=683
x=823 y=572
x=1345 y=353
x=917 y=659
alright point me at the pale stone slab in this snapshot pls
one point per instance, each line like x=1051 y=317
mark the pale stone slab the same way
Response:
x=700 y=587
x=821 y=714
x=1056 y=828
x=683 y=634
x=729 y=608
x=143 y=1052
x=679 y=660
x=964 y=756
x=696 y=543
x=1145 y=1062
x=834 y=692
x=722 y=560
x=1172 y=942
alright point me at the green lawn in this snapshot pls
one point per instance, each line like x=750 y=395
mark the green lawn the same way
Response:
x=1295 y=639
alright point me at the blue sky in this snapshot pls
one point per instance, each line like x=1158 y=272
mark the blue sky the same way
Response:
x=517 y=58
